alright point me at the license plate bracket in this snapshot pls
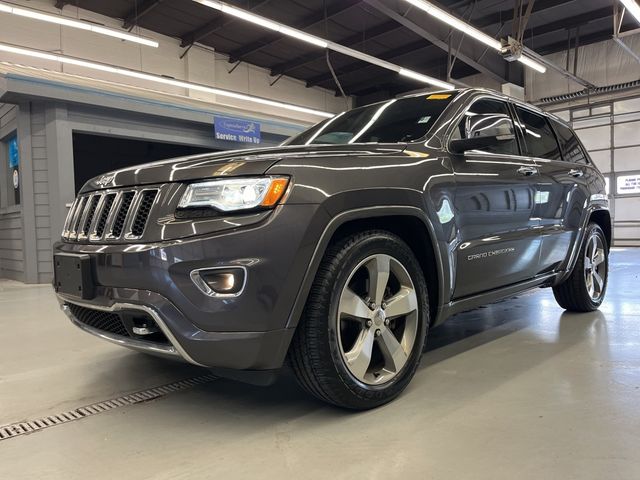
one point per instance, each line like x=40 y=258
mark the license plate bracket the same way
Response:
x=73 y=275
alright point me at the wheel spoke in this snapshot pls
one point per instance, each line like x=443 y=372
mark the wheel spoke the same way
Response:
x=394 y=355
x=402 y=303
x=352 y=305
x=598 y=280
x=598 y=258
x=359 y=357
x=378 y=269
x=587 y=263
x=590 y=284
x=593 y=246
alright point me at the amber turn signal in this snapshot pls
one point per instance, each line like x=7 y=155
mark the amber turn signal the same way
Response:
x=275 y=192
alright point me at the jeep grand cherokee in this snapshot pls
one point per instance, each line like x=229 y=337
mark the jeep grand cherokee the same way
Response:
x=337 y=251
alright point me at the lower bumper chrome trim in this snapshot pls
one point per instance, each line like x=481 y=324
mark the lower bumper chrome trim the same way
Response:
x=174 y=350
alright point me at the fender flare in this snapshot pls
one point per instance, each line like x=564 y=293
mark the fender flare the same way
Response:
x=359 y=214
x=573 y=257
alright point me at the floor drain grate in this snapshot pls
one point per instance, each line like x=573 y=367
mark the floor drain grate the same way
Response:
x=31 y=426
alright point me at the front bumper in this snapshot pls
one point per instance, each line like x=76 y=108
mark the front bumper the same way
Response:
x=248 y=332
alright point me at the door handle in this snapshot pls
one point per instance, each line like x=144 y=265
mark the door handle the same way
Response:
x=576 y=172
x=527 y=171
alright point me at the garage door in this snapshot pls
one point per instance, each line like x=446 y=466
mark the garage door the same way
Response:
x=611 y=133
x=96 y=154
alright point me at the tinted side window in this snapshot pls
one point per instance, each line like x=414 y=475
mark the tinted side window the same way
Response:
x=488 y=117
x=571 y=149
x=539 y=139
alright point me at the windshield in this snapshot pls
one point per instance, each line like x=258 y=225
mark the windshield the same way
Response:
x=398 y=120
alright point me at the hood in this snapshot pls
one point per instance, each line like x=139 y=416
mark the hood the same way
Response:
x=227 y=164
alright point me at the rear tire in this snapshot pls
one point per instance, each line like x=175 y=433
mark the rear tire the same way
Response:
x=364 y=325
x=585 y=288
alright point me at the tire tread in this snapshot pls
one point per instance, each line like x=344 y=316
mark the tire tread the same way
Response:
x=572 y=294
x=310 y=356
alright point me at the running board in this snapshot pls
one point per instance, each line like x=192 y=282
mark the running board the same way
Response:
x=475 y=301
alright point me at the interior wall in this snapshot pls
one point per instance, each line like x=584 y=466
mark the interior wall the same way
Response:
x=200 y=65
x=609 y=130
x=603 y=63
x=11 y=231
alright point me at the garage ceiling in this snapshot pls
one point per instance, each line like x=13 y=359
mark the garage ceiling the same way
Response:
x=366 y=26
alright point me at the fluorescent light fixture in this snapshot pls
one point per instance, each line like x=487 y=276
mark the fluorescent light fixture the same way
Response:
x=320 y=42
x=471 y=31
x=632 y=7
x=456 y=23
x=263 y=22
x=538 y=67
x=125 y=72
x=305 y=37
x=79 y=24
x=411 y=74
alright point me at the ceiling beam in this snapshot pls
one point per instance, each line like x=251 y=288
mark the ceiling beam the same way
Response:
x=392 y=79
x=595 y=37
x=470 y=52
x=568 y=23
x=488 y=20
x=308 y=21
x=506 y=16
x=350 y=41
x=210 y=28
x=131 y=19
x=410 y=49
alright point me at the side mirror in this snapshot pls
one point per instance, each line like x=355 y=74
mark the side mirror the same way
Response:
x=478 y=143
x=484 y=130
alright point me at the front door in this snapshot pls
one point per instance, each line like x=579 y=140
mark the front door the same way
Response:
x=498 y=239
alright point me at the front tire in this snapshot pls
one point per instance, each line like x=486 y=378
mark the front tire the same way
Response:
x=585 y=288
x=362 y=331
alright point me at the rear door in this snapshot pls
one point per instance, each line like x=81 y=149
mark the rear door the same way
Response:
x=562 y=191
x=498 y=242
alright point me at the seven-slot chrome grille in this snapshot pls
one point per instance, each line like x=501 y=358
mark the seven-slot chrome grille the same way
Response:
x=110 y=215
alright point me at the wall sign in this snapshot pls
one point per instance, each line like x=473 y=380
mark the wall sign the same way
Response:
x=628 y=184
x=14 y=153
x=237 y=130
x=14 y=167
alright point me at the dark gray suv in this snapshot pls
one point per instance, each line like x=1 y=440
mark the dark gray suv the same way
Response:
x=337 y=251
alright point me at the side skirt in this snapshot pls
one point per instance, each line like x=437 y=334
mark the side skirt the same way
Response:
x=475 y=301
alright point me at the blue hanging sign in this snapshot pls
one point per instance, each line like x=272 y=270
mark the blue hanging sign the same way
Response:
x=236 y=130
x=14 y=154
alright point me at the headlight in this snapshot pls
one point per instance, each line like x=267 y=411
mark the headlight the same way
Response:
x=235 y=193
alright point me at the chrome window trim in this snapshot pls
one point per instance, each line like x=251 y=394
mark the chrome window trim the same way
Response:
x=449 y=133
x=204 y=288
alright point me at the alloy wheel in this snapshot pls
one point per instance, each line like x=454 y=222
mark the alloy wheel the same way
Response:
x=595 y=267
x=377 y=319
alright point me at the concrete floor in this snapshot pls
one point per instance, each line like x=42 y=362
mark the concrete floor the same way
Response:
x=514 y=390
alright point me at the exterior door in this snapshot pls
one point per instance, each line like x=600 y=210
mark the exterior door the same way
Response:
x=498 y=240
x=562 y=191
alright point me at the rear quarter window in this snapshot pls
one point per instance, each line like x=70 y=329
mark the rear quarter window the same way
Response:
x=569 y=144
x=539 y=139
